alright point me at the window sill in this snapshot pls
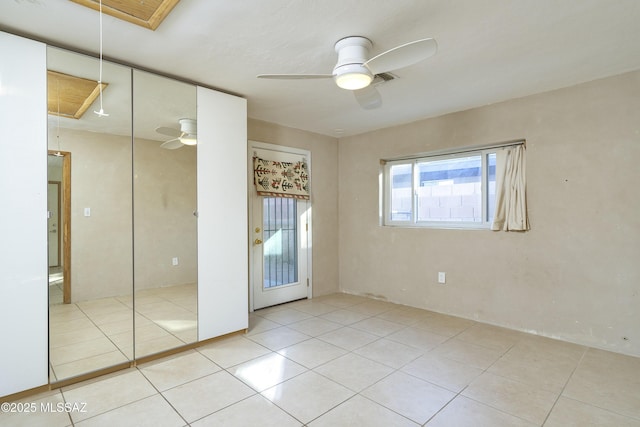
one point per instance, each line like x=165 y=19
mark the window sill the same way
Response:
x=442 y=226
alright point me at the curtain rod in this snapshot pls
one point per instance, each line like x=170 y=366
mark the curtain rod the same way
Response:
x=459 y=150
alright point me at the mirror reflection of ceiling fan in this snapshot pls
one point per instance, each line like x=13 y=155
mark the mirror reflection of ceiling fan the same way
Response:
x=355 y=71
x=186 y=135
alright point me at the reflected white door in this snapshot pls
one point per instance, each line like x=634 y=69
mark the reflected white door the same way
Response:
x=53 y=209
x=280 y=244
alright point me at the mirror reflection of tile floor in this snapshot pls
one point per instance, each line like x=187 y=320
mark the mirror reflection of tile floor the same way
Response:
x=342 y=360
x=94 y=334
x=55 y=285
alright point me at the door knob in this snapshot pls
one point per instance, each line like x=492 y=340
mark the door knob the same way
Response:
x=257 y=241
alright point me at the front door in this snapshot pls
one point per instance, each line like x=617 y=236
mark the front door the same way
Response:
x=279 y=240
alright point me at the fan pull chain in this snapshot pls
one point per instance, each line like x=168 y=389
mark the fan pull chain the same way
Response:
x=101 y=113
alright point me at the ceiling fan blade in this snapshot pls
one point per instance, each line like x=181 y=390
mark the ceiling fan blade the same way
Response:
x=368 y=98
x=402 y=56
x=172 y=144
x=175 y=133
x=294 y=76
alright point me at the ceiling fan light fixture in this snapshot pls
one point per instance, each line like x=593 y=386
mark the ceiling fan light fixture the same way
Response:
x=352 y=76
x=189 y=140
x=357 y=71
x=188 y=126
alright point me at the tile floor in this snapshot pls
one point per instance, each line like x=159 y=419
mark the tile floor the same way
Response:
x=343 y=360
x=94 y=334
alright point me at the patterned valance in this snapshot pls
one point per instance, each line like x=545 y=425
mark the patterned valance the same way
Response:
x=281 y=179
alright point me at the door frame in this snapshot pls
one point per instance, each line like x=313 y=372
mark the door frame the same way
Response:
x=251 y=194
x=66 y=224
x=58 y=242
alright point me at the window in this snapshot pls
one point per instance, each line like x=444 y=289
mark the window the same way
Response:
x=280 y=249
x=455 y=190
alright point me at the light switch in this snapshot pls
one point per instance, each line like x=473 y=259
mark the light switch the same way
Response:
x=87 y=211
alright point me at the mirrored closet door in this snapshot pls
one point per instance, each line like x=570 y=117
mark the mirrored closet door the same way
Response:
x=90 y=220
x=122 y=215
x=164 y=198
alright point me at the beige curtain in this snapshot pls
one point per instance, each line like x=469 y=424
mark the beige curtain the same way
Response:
x=511 y=190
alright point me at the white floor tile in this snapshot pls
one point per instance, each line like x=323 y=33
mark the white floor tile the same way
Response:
x=104 y=395
x=312 y=352
x=464 y=412
x=572 y=413
x=204 y=396
x=267 y=371
x=348 y=338
x=254 y=411
x=354 y=372
x=389 y=353
x=361 y=412
x=512 y=397
x=279 y=338
x=441 y=371
x=307 y=396
x=173 y=372
x=410 y=397
x=149 y=412
x=342 y=360
x=232 y=351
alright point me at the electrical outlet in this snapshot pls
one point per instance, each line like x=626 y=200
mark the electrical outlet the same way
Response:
x=174 y=261
x=442 y=277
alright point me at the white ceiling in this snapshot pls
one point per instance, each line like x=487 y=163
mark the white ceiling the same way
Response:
x=489 y=50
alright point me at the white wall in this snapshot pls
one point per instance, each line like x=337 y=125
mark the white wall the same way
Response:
x=575 y=276
x=23 y=219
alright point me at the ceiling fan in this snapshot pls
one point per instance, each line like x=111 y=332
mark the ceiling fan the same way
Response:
x=187 y=135
x=355 y=71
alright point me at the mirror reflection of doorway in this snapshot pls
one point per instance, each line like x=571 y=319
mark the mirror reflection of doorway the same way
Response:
x=54 y=194
x=59 y=227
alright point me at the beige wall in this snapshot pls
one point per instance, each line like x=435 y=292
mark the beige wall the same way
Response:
x=164 y=224
x=165 y=198
x=101 y=249
x=324 y=195
x=574 y=276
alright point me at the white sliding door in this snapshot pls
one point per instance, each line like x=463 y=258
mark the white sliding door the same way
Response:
x=222 y=214
x=23 y=214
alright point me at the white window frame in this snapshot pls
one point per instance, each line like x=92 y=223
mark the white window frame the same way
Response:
x=485 y=224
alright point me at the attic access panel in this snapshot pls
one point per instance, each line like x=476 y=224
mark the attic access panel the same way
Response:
x=146 y=13
x=70 y=95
